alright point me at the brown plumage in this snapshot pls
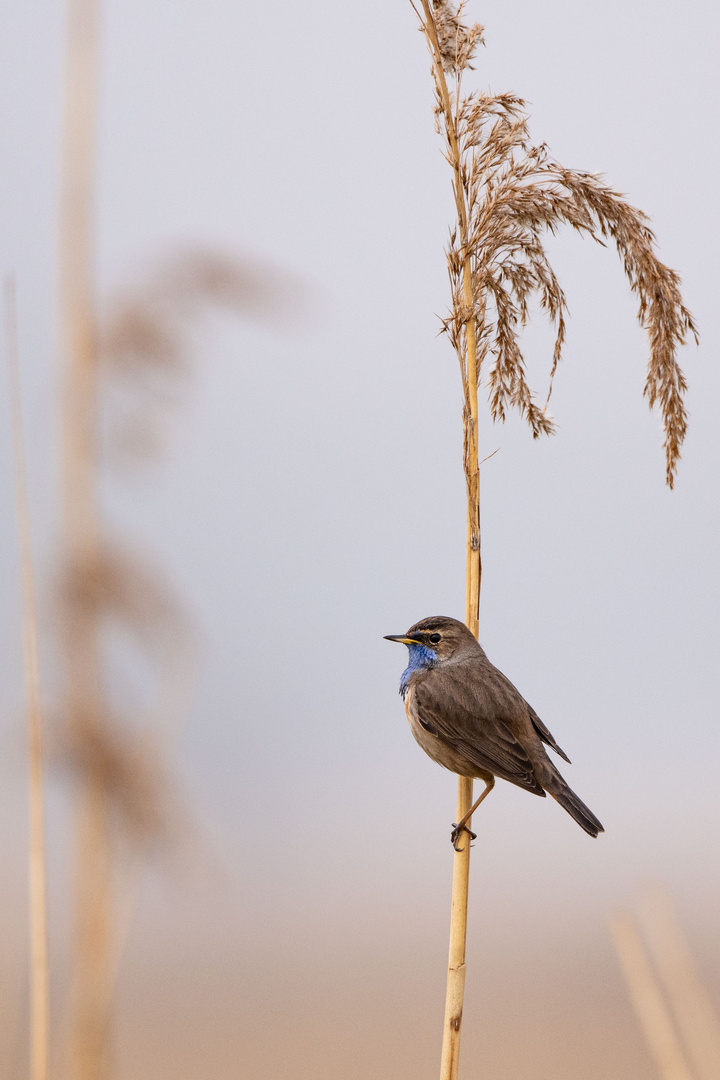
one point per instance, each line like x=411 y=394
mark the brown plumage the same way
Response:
x=468 y=716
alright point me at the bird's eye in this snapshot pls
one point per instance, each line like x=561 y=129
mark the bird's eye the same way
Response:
x=434 y=638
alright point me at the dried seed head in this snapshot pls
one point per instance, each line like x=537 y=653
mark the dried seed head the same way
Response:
x=513 y=193
x=457 y=41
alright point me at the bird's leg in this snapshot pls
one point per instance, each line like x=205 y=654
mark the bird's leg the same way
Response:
x=461 y=825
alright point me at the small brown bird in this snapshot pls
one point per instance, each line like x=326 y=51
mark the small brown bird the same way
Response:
x=469 y=718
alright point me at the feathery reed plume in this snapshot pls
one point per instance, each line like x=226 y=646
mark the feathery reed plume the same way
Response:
x=650 y=1008
x=39 y=993
x=142 y=349
x=122 y=797
x=686 y=995
x=456 y=41
x=508 y=193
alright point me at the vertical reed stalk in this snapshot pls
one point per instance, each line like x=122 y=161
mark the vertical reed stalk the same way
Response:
x=39 y=993
x=455 y=988
x=470 y=371
x=84 y=692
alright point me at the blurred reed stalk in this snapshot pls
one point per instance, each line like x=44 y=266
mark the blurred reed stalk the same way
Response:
x=39 y=979
x=508 y=193
x=84 y=706
x=689 y=1003
x=650 y=1008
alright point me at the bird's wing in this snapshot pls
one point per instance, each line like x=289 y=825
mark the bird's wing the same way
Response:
x=545 y=735
x=512 y=706
x=469 y=714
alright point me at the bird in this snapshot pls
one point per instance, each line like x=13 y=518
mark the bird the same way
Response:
x=467 y=716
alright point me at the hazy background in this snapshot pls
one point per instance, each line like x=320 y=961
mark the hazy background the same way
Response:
x=312 y=501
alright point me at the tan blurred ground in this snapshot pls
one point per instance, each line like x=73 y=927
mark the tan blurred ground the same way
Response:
x=204 y=996
x=550 y=1017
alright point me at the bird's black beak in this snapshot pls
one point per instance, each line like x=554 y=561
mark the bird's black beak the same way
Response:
x=402 y=638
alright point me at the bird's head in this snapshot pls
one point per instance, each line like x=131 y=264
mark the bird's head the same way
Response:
x=433 y=640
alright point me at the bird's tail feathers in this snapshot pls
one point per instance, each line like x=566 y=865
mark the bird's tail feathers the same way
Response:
x=576 y=808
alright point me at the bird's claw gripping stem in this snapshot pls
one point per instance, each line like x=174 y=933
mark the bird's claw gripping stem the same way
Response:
x=455 y=835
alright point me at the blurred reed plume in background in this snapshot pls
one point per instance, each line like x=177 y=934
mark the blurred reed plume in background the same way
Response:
x=111 y=595
x=123 y=796
x=140 y=348
x=147 y=338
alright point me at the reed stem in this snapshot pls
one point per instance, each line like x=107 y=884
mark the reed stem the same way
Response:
x=39 y=979
x=470 y=371
x=455 y=989
x=85 y=710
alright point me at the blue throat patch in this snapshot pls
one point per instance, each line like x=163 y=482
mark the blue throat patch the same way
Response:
x=419 y=657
